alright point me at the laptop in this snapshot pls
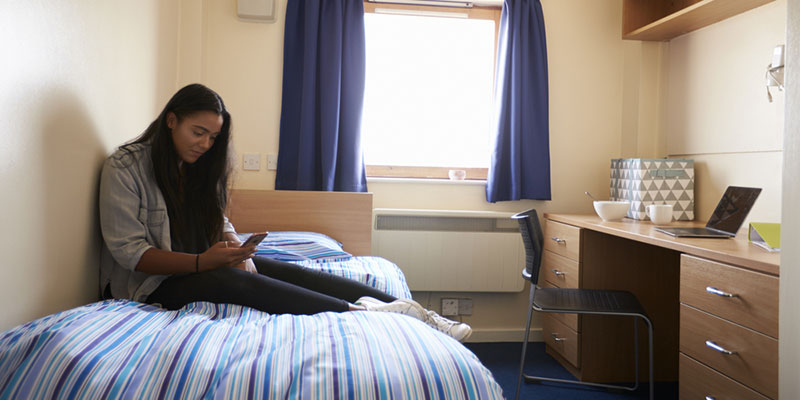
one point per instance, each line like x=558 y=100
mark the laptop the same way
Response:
x=728 y=217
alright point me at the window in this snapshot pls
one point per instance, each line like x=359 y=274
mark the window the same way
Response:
x=429 y=84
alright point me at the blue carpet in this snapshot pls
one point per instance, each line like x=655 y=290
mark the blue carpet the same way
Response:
x=503 y=360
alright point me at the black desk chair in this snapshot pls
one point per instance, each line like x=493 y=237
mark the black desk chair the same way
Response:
x=573 y=301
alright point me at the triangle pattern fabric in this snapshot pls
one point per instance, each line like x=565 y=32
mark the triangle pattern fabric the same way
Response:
x=644 y=181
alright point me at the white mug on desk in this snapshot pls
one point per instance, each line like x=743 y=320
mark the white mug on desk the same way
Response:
x=660 y=214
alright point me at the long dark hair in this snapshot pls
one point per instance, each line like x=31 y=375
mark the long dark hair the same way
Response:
x=196 y=194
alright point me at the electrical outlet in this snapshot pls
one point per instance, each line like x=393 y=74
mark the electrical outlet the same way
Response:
x=464 y=306
x=272 y=162
x=449 y=307
x=252 y=162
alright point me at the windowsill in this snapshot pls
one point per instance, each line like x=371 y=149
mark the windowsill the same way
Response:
x=465 y=182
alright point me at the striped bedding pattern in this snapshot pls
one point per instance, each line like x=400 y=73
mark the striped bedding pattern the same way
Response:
x=124 y=349
x=373 y=271
x=298 y=246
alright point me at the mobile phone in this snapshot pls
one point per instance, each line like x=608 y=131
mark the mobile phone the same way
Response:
x=254 y=239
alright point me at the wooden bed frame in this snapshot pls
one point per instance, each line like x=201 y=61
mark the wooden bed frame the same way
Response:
x=344 y=216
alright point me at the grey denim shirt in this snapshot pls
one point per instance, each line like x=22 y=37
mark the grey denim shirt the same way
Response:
x=133 y=219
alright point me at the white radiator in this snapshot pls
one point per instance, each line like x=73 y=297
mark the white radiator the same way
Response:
x=451 y=251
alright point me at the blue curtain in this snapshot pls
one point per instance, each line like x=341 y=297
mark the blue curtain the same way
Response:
x=520 y=164
x=323 y=97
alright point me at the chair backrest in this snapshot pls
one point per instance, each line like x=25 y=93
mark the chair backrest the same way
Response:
x=533 y=239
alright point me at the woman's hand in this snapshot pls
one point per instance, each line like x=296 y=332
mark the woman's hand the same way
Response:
x=226 y=254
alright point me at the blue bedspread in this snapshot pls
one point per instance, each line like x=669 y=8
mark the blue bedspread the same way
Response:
x=125 y=349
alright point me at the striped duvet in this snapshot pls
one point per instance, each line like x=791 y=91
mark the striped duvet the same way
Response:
x=124 y=349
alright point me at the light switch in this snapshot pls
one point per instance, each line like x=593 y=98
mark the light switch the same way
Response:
x=252 y=162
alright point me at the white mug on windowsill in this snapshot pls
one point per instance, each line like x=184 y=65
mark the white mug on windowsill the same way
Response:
x=457 y=174
x=660 y=214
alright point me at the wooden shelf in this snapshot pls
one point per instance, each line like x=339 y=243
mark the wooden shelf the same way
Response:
x=685 y=20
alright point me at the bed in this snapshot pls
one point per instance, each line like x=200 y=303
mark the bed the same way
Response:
x=125 y=349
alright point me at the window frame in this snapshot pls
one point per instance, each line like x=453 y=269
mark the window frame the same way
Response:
x=403 y=171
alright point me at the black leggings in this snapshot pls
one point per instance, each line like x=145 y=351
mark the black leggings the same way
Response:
x=278 y=288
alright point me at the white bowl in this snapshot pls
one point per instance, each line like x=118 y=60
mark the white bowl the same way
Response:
x=611 y=210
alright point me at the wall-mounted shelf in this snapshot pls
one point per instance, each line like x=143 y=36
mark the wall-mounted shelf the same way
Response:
x=663 y=20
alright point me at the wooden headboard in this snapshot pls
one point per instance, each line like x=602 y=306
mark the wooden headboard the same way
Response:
x=346 y=217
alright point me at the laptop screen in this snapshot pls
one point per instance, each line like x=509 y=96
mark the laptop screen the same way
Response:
x=733 y=209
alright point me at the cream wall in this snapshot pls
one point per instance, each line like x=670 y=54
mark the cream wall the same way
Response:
x=643 y=80
x=716 y=109
x=243 y=62
x=588 y=65
x=790 y=223
x=77 y=78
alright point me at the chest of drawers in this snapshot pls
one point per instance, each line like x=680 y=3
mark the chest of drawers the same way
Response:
x=729 y=326
x=561 y=268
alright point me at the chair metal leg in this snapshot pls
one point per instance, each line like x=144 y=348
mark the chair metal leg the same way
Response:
x=636 y=352
x=650 y=339
x=537 y=379
x=524 y=345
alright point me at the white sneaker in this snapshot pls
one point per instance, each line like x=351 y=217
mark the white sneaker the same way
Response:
x=400 y=306
x=457 y=330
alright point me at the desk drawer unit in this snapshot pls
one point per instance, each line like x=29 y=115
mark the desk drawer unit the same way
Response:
x=562 y=239
x=561 y=268
x=701 y=382
x=562 y=339
x=745 y=297
x=561 y=271
x=729 y=323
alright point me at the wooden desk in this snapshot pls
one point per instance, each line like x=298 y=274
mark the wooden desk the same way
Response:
x=631 y=255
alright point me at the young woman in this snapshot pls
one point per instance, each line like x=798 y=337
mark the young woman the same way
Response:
x=168 y=242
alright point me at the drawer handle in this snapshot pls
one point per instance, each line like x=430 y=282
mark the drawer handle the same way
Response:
x=719 y=348
x=558 y=240
x=710 y=398
x=559 y=273
x=556 y=338
x=711 y=289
